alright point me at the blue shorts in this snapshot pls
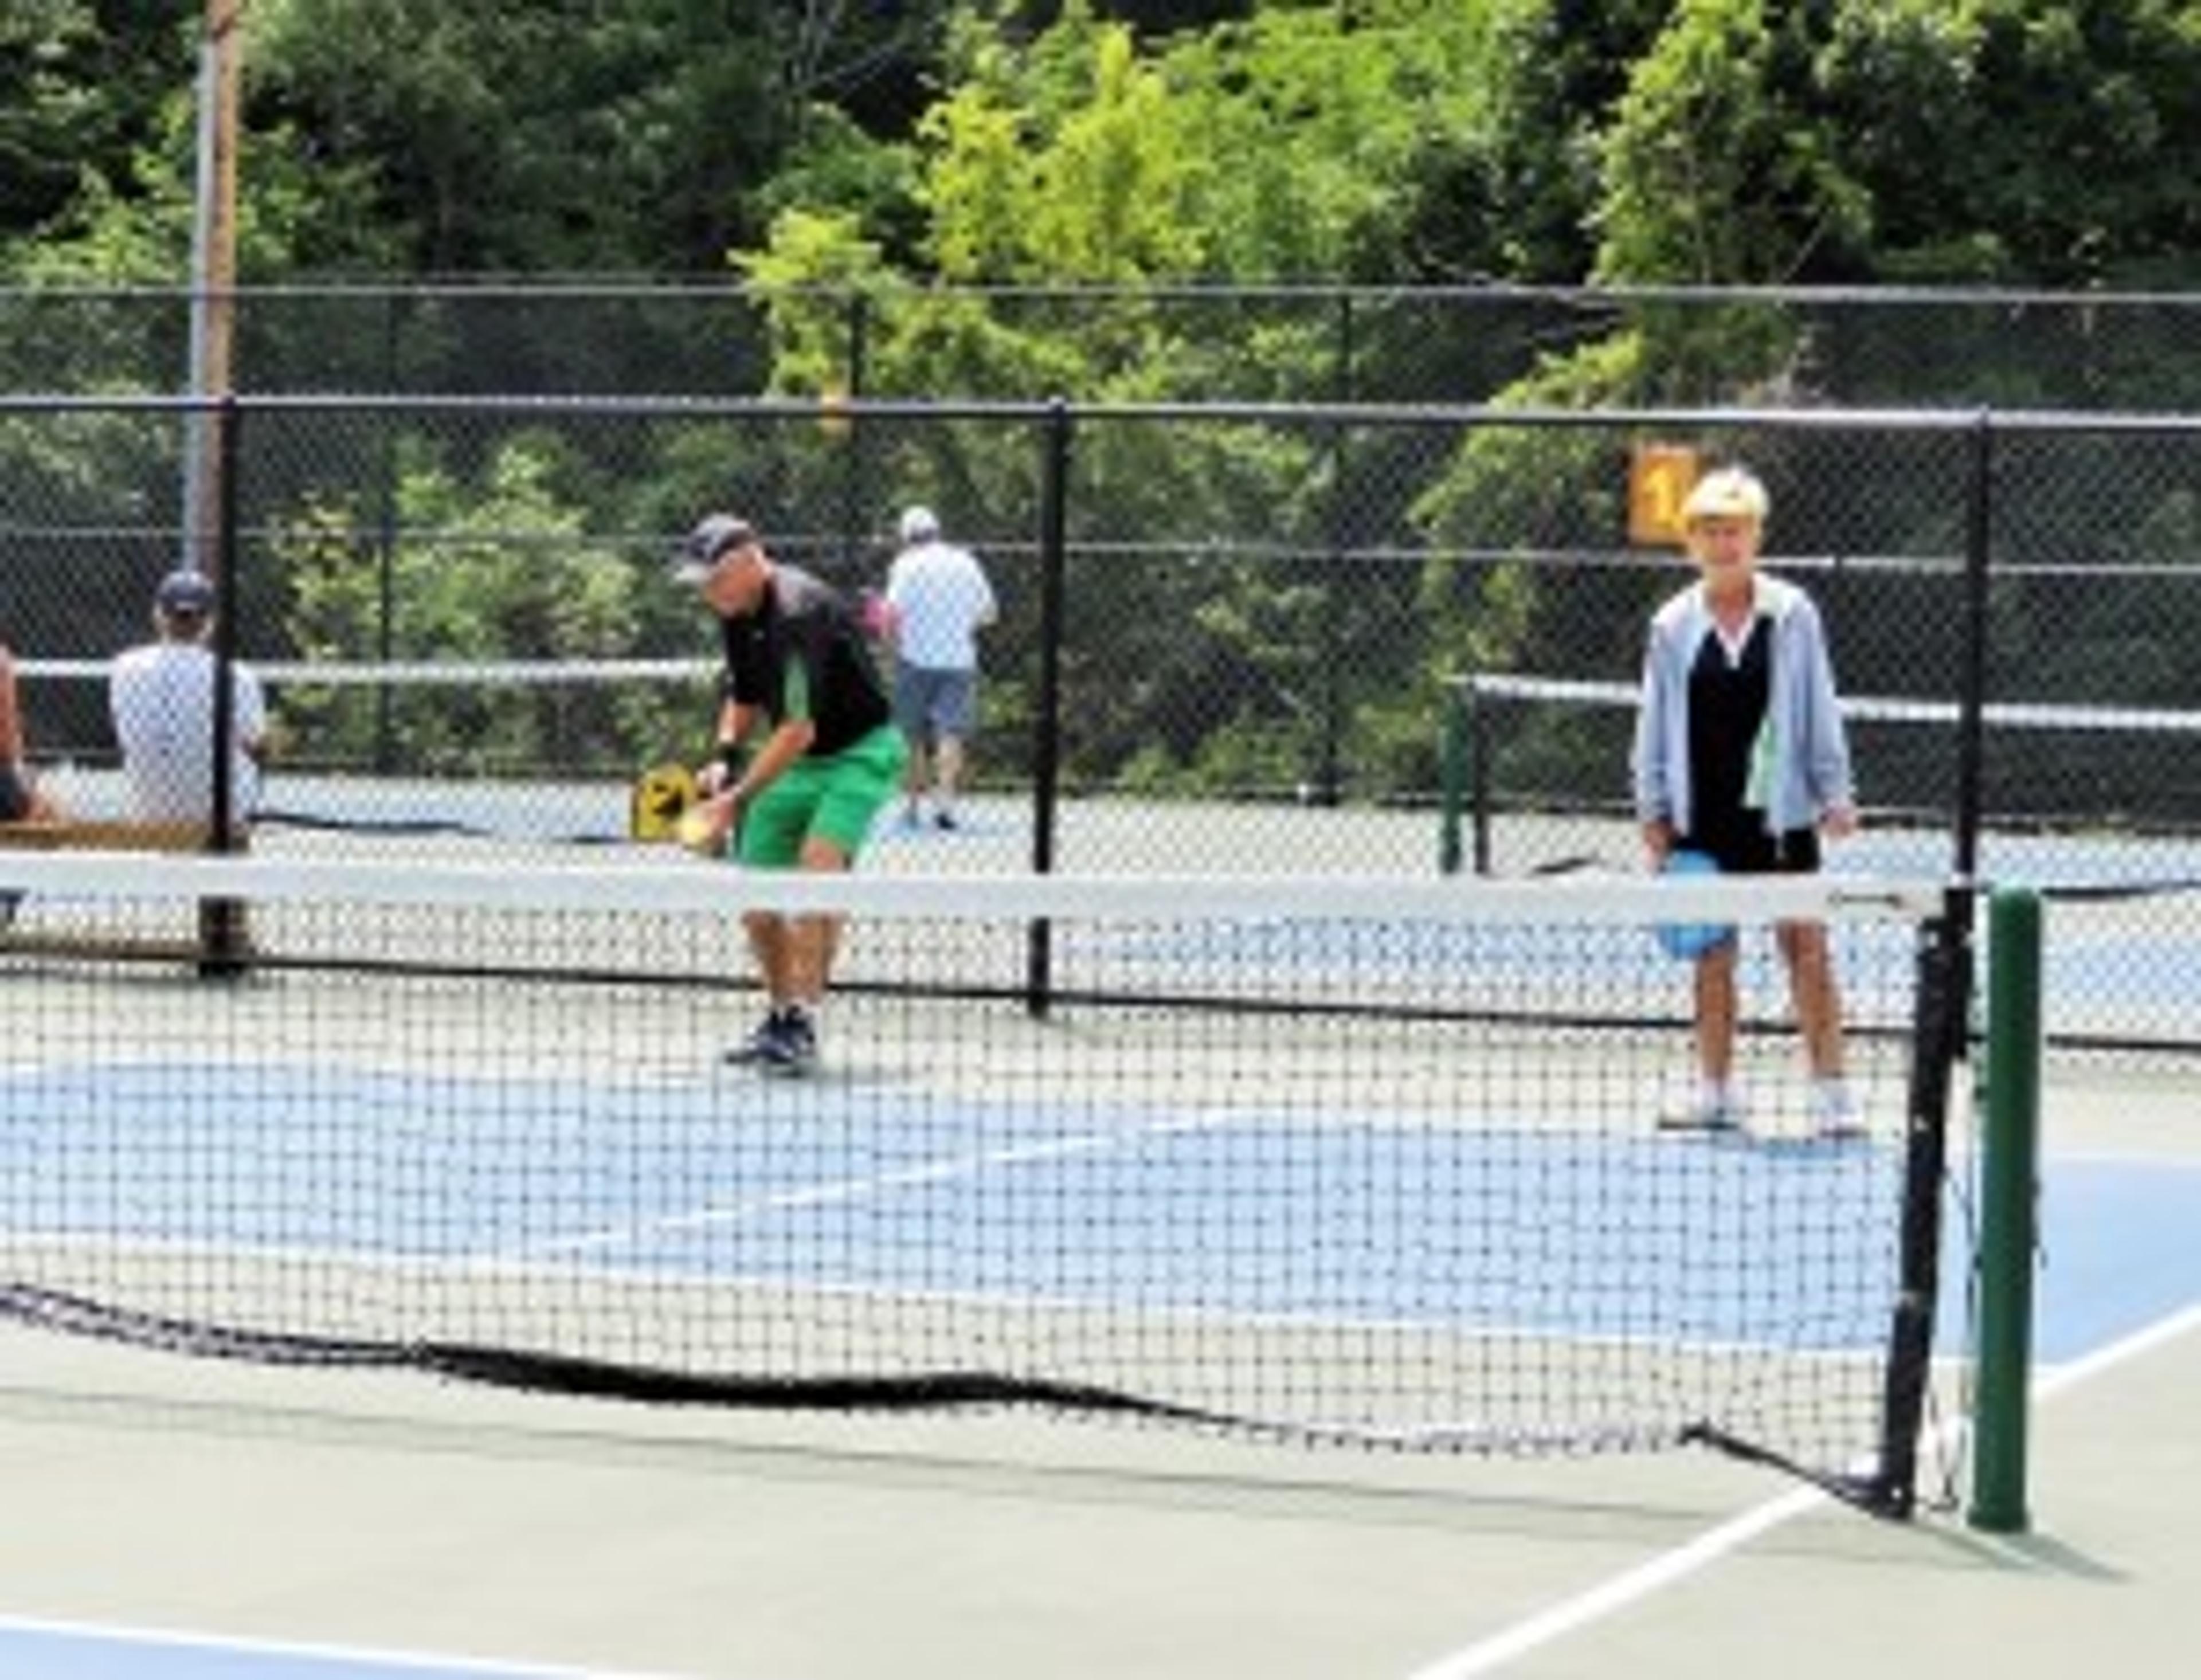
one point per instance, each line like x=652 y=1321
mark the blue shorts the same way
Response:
x=932 y=701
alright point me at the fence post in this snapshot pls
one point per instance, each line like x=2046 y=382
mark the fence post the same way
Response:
x=222 y=826
x=385 y=545
x=1452 y=774
x=223 y=942
x=1055 y=440
x=855 y=460
x=2008 y=1190
x=1972 y=694
x=1330 y=776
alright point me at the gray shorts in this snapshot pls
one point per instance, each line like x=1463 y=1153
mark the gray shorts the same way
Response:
x=930 y=702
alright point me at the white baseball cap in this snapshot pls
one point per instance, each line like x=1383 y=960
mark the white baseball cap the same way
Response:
x=919 y=524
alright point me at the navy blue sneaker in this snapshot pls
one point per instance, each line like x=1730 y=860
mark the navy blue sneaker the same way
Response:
x=789 y=1048
x=762 y=1043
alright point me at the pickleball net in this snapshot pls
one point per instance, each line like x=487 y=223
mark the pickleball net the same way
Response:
x=1371 y=1163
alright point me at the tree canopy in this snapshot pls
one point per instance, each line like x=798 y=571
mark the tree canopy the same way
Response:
x=2036 y=142
x=904 y=196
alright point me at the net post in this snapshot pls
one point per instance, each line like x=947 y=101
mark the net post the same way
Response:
x=2010 y=1170
x=1939 y=1011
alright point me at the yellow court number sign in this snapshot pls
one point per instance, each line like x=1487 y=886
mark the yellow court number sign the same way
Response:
x=1660 y=477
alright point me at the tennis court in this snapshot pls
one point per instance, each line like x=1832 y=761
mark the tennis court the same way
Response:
x=277 y=1530
x=178 y=1517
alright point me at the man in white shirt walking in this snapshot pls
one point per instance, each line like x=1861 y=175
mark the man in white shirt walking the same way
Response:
x=937 y=599
x=162 y=698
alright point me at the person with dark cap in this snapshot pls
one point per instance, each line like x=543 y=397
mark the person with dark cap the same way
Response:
x=160 y=696
x=797 y=671
x=20 y=800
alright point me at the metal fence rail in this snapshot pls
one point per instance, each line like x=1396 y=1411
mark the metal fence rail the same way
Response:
x=1210 y=612
x=1856 y=347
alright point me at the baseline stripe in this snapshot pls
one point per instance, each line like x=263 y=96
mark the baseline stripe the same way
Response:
x=1489 y=1655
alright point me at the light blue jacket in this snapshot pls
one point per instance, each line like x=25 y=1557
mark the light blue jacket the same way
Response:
x=1801 y=763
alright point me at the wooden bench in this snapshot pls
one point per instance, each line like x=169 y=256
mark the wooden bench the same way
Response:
x=223 y=945
x=72 y=834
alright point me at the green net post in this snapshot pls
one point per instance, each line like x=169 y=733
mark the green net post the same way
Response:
x=2008 y=1206
x=1453 y=751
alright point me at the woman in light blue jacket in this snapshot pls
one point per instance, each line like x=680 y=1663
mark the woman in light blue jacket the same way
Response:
x=1740 y=755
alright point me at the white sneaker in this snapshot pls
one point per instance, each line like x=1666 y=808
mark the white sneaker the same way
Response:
x=1713 y=1106
x=1834 y=1110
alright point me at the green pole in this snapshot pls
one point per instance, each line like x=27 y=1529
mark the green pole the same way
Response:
x=1452 y=773
x=2009 y=1187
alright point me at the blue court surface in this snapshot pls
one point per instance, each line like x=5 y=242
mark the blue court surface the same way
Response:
x=1243 y=1211
x=58 y=1651
x=1267 y=1214
x=439 y=1168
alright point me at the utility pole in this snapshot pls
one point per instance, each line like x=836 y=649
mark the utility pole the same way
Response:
x=214 y=276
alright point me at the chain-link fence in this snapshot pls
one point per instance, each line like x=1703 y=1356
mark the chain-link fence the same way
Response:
x=1354 y=639
x=1775 y=347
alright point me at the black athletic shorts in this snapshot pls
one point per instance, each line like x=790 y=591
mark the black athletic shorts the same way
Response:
x=15 y=793
x=1748 y=849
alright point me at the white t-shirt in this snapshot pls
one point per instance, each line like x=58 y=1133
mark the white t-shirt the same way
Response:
x=940 y=596
x=161 y=699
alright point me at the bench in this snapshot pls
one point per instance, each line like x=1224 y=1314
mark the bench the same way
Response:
x=74 y=834
x=222 y=944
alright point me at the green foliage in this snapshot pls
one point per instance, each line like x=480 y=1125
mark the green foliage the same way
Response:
x=2048 y=142
x=1720 y=165
x=83 y=84
x=838 y=171
x=499 y=565
x=44 y=111
x=866 y=170
x=1724 y=141
x=2076 y=147
x=1280 y=146
x=561 y=135
x=816 y=263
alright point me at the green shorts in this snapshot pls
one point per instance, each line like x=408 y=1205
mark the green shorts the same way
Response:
x=835 y=798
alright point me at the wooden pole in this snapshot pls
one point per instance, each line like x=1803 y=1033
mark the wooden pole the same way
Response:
x=213 y=277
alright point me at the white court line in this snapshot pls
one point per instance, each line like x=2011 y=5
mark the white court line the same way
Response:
x=1570 y=1616
x=970 y=1163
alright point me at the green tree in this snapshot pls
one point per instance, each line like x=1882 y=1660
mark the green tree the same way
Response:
x=2049 y=142
x=497 y=564
x=1721 y=168
x=2042 y=142
x=84 y=85
x=560 y=136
